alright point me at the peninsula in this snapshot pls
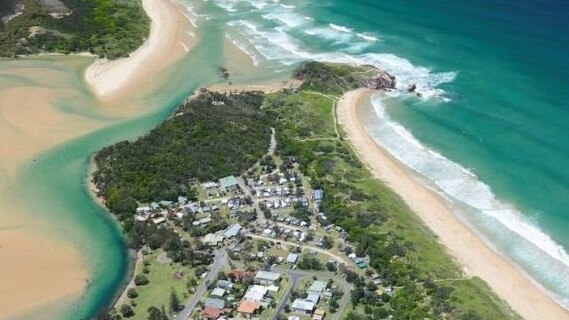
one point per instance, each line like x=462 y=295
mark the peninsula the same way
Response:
x=253 y=228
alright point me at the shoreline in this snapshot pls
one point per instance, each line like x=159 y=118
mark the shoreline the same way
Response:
x=476 y=258
x=41 y=271
x=168 y=41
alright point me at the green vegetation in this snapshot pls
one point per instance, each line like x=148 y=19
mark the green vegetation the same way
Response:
x=212 y=136
x=107 y=28
x=400 y=248
x=215 y=135
x=168 y=285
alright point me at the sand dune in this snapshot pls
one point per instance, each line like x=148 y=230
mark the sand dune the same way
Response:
x=475 y=256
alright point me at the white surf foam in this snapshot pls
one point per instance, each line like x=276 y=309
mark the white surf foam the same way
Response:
x=459 y=183
x=367 y=37
x=340 y=28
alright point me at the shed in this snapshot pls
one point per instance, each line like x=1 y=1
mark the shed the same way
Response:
x=292 y=258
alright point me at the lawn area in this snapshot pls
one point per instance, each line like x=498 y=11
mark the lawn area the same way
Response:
x=161 y=282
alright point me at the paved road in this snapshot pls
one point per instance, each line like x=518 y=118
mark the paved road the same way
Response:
x=219 y=262
x=296 y=275
x=303 y=246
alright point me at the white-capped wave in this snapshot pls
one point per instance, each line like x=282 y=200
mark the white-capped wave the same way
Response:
x=340 y=28
x=457 y=182
x=367 y=37
x=286 y=18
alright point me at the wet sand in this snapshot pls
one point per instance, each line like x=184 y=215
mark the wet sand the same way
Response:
x=471 y=252
x=39 y=269
x=169 y=40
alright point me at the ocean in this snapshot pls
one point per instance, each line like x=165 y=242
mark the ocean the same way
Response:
x=489 y=131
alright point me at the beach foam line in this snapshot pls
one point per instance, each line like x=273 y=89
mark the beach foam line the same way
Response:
x=458 y=182
x=477 y=257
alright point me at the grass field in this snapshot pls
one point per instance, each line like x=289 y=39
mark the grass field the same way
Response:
x=161 y=282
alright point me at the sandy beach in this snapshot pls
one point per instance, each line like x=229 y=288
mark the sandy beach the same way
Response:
x=170 y=38
x=40 y=271
x=470 y=251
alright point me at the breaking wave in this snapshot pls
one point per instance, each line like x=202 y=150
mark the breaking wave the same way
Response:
x=512 y=233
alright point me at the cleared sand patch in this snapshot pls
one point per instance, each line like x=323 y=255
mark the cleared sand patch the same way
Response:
x=471 y=252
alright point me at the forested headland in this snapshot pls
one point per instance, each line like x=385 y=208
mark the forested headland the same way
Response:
x=106 y=28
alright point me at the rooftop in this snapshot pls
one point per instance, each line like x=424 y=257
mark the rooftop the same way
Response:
x=317 y=286
x=256 y=293
x=233 y=230
x=301 y=304
x=267 y=275
x=291 y=258
x=213 y=313
x=248 y=306
x=218 y=292
x=228 y=182
x=214 y=303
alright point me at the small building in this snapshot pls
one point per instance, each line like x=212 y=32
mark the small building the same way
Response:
x=228 y=184
x=182 y=200
x=319 y=314
x=214 y=303
x=267 y=277
x=248 y=307
x=211 y=313
x=218 y=292
x=313 y=297
x=292 y=258
x=256 y=293
x=317 y=287
x=212 y=239
x=317 y=194
x=303 y=306
x=233 y=231
x=165 y=203
x=224 y=284
x=360 y=263
x=142 y=210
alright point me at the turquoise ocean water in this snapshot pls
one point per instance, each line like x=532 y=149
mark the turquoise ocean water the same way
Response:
x=490 y=131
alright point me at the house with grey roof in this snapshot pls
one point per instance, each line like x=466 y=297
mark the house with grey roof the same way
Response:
x=232 y=231
x=267 y=277
x=303 y=306
x=317 y=287
x=214 y=303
